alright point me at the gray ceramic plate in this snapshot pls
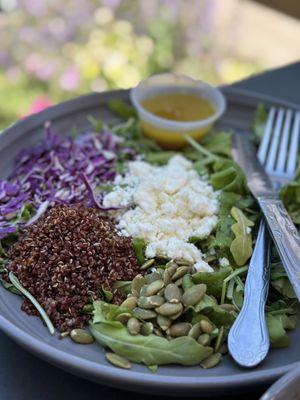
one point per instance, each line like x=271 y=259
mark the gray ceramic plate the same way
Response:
x=286 y=388
x=88 y=361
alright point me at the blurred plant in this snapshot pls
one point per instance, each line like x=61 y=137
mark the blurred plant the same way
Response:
x=62 y=49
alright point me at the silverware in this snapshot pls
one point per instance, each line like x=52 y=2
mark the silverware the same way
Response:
x=248 y=339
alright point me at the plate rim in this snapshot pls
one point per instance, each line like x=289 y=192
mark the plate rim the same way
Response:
x=140 y=381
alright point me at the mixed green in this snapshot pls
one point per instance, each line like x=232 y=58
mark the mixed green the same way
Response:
x=171 y=313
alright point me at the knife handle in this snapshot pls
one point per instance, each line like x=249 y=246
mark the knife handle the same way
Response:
x=286 y=238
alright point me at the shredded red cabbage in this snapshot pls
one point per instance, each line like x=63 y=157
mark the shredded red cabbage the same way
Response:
x=59 y=170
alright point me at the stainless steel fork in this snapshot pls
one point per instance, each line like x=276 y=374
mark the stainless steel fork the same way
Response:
x=248 y=339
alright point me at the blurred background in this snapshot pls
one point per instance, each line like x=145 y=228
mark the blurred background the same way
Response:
x=54 y=50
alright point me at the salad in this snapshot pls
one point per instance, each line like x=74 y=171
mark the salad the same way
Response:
x=109 y=238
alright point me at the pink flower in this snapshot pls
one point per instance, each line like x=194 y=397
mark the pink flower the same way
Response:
x=39 y=104
x=70 y=79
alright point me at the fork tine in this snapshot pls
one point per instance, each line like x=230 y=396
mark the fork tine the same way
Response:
x=264 y=144
x=280 y=168
x=271 y=158
x=293 y=150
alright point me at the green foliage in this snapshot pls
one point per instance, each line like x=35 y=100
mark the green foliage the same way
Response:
x=241 y=246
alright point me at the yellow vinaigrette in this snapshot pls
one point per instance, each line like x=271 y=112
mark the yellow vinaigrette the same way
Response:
x=179 y=107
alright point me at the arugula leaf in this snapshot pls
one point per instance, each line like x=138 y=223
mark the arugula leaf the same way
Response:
x=106 y=312
x=218 y=143
x=290 y=196
x=122 y=109
x=259 y=122
x=227 y=175
x=241 y=246
x=139 y=246
x=278 y=336
x=280 y=281
x=213 y=281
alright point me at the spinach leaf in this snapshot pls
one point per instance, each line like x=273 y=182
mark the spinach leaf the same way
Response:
x=241 y=246
x=152 y=349
x=290 y=196
x=218 y=143
x=228 y=176
x=106 y=312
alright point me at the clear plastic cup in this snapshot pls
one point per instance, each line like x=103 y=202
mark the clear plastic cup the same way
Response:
x=169 y=133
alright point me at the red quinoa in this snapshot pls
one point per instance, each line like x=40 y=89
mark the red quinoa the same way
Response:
x=66 y=257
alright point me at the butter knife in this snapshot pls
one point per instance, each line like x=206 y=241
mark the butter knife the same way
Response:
x=281 y=227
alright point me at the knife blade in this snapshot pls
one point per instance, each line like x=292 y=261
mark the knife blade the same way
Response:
x=244 y=153
x=281 y=227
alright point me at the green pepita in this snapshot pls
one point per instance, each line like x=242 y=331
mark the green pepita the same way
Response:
x=130 y=303
x=147 y=328
x=206 y=327
x=178 y=282
x=179 y=329
x=147 y=264
x=195 y=331
x=154 y=287
x=227 y=307
x=163 y=322
x=81 y=336
x=123 y=317
x=158 y=332
x=169 y=309
x=154 y=276
x=150 y=302
x=137 y=283
x=173 y=293
x=211 y=361
x=180 y=272
x=220 y=339
x=141 y=313
x=133 y=326
x=184 y=263
x=118 y=361
x=194 y=294
x=204 y=339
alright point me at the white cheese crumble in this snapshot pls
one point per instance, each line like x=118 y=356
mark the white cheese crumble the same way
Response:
x=224 y=262
x=169 y=204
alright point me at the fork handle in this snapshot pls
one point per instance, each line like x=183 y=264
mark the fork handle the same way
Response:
x=285 y=236
x=248 y=339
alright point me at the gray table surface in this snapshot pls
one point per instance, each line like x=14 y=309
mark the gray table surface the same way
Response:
x=24 y=377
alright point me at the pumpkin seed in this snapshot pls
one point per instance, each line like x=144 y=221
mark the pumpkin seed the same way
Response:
x=161 y=292
x=180 y=272
x=194 y=294
x=163 y=322
x=123 y=317
x=168 y=273
x=168 y=309
x=178 y=282
x=130 y=303
x=118 y=361
x=211 y=361
x=204 y=339
x=81 y=336
x=154 y=276
x=206 y=326
x=137 y=283
x=64 y=334
x=227 y=307
x=147 y=264
x=184 y=262
x=187 y=282
x=158 y=332
x=176 y=316
x=147 y=328
x=220 y=339
x=195 y=331
x=179 y=329
x=133 y=326
x=223 y=349
x=150 y=302
x=141 y=313
x=154 y=287
x=172 y=293
x=173 y=265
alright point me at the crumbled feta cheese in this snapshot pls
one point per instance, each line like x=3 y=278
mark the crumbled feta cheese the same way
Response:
x=169 y=204
x=224 y=262
x=248 y=230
